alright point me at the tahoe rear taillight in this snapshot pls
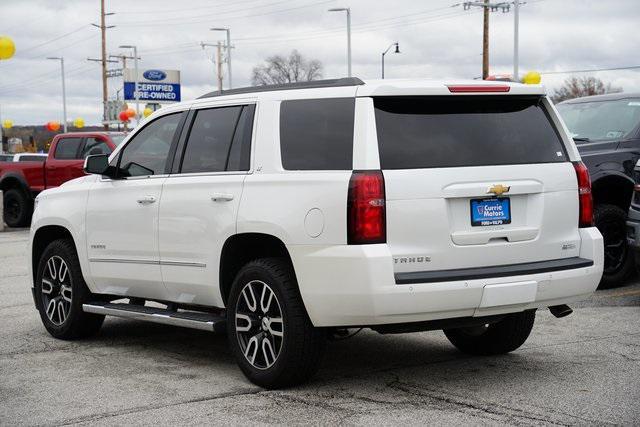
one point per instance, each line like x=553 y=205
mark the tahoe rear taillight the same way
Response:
x=366 y=222
x=584 y=195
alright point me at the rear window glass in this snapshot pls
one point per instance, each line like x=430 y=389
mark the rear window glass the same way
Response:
x=454 y=131
x=67 y=148
x=317 y=134
x=93 y=146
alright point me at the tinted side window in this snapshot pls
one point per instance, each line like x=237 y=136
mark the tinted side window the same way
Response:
x=317 y=134
x=240 y=154
x=454 y=131
x=148 y=151
x=67 y=148
x=210 y=140
x=94 y=146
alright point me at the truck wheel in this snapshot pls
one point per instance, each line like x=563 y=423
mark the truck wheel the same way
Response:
x=269 y=331
x=60 y=291
x=496 y=338
x=17 y=208
x=618 y=259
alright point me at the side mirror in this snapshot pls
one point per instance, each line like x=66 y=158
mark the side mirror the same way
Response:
x=97 y=164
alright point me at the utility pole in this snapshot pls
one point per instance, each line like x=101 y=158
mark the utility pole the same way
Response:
x=123 y=58
x=103 y=36
x=219 y=66
x=487 y=7
x=485 y=41
x=228 y=48
x=217 y=62
x=103 y=33
x=516 y=19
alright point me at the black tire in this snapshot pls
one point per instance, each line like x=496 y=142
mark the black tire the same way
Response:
x=496 y=338
x=619 y=262
x=17 y=208
x=76 y=323
x=301 y=346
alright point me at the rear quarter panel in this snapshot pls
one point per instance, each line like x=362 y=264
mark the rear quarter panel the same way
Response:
x=291 y=205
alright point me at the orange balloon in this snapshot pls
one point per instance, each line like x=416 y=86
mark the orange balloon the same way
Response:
x=52 y=126
x=131 y=113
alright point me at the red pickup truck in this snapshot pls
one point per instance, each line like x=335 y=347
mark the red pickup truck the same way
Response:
x=22 y=181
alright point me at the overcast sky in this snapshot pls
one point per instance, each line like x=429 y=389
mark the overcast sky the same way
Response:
x=437 y=40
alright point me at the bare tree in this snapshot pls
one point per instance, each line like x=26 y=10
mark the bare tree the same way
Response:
x=278 y=69
x=575 y=87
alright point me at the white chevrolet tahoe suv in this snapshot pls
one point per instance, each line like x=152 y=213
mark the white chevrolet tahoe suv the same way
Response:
x=284 y=215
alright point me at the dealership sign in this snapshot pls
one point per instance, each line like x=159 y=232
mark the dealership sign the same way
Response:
x=153 y=85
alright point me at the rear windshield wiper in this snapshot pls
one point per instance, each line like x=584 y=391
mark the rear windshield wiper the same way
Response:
x=581 y=139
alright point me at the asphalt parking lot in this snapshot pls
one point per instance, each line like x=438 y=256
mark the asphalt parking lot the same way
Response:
x=584 y=369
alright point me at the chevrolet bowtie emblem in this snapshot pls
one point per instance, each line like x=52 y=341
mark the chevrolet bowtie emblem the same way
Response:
x=498 y=189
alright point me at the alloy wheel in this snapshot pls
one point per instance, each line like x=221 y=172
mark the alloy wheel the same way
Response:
x=56 y=290
x=259 y=324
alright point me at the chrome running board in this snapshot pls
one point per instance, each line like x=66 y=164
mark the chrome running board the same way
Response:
x=186 y=319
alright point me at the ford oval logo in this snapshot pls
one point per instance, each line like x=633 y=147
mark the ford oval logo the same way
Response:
x=155 y=75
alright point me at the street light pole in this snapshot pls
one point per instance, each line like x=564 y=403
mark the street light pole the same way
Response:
x=228 y=31
x=348 y=10
x=385 y=52
x=64 y=92
x=135 y=84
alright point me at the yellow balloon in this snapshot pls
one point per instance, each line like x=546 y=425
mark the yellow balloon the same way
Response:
x=147 y=112
x=7 y=47
x=78 y=123
x=531 y=78
x=7 y=124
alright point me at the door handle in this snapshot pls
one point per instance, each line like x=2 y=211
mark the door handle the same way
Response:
x=147 y=200
x=221 y=197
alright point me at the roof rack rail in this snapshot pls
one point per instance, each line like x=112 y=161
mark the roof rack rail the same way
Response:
x=345 y=81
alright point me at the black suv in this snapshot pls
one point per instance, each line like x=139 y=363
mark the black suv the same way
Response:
x=606 y=129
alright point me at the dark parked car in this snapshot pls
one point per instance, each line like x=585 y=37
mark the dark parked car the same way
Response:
x=633 y=221
x=606 y=129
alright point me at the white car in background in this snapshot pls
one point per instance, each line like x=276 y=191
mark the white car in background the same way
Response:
x=283 y=214
x=23 y=157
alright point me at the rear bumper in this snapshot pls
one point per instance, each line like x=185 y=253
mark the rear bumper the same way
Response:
x=356 y=286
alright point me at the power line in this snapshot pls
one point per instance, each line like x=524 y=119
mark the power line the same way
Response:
x=42 y=81
x=341 y=28
x=75 y=43
x=277 y=38
x=53 y=39
x=190 y=22
x=200 y=16
x=359 y=29
x=153 y=12
x=631 y=67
